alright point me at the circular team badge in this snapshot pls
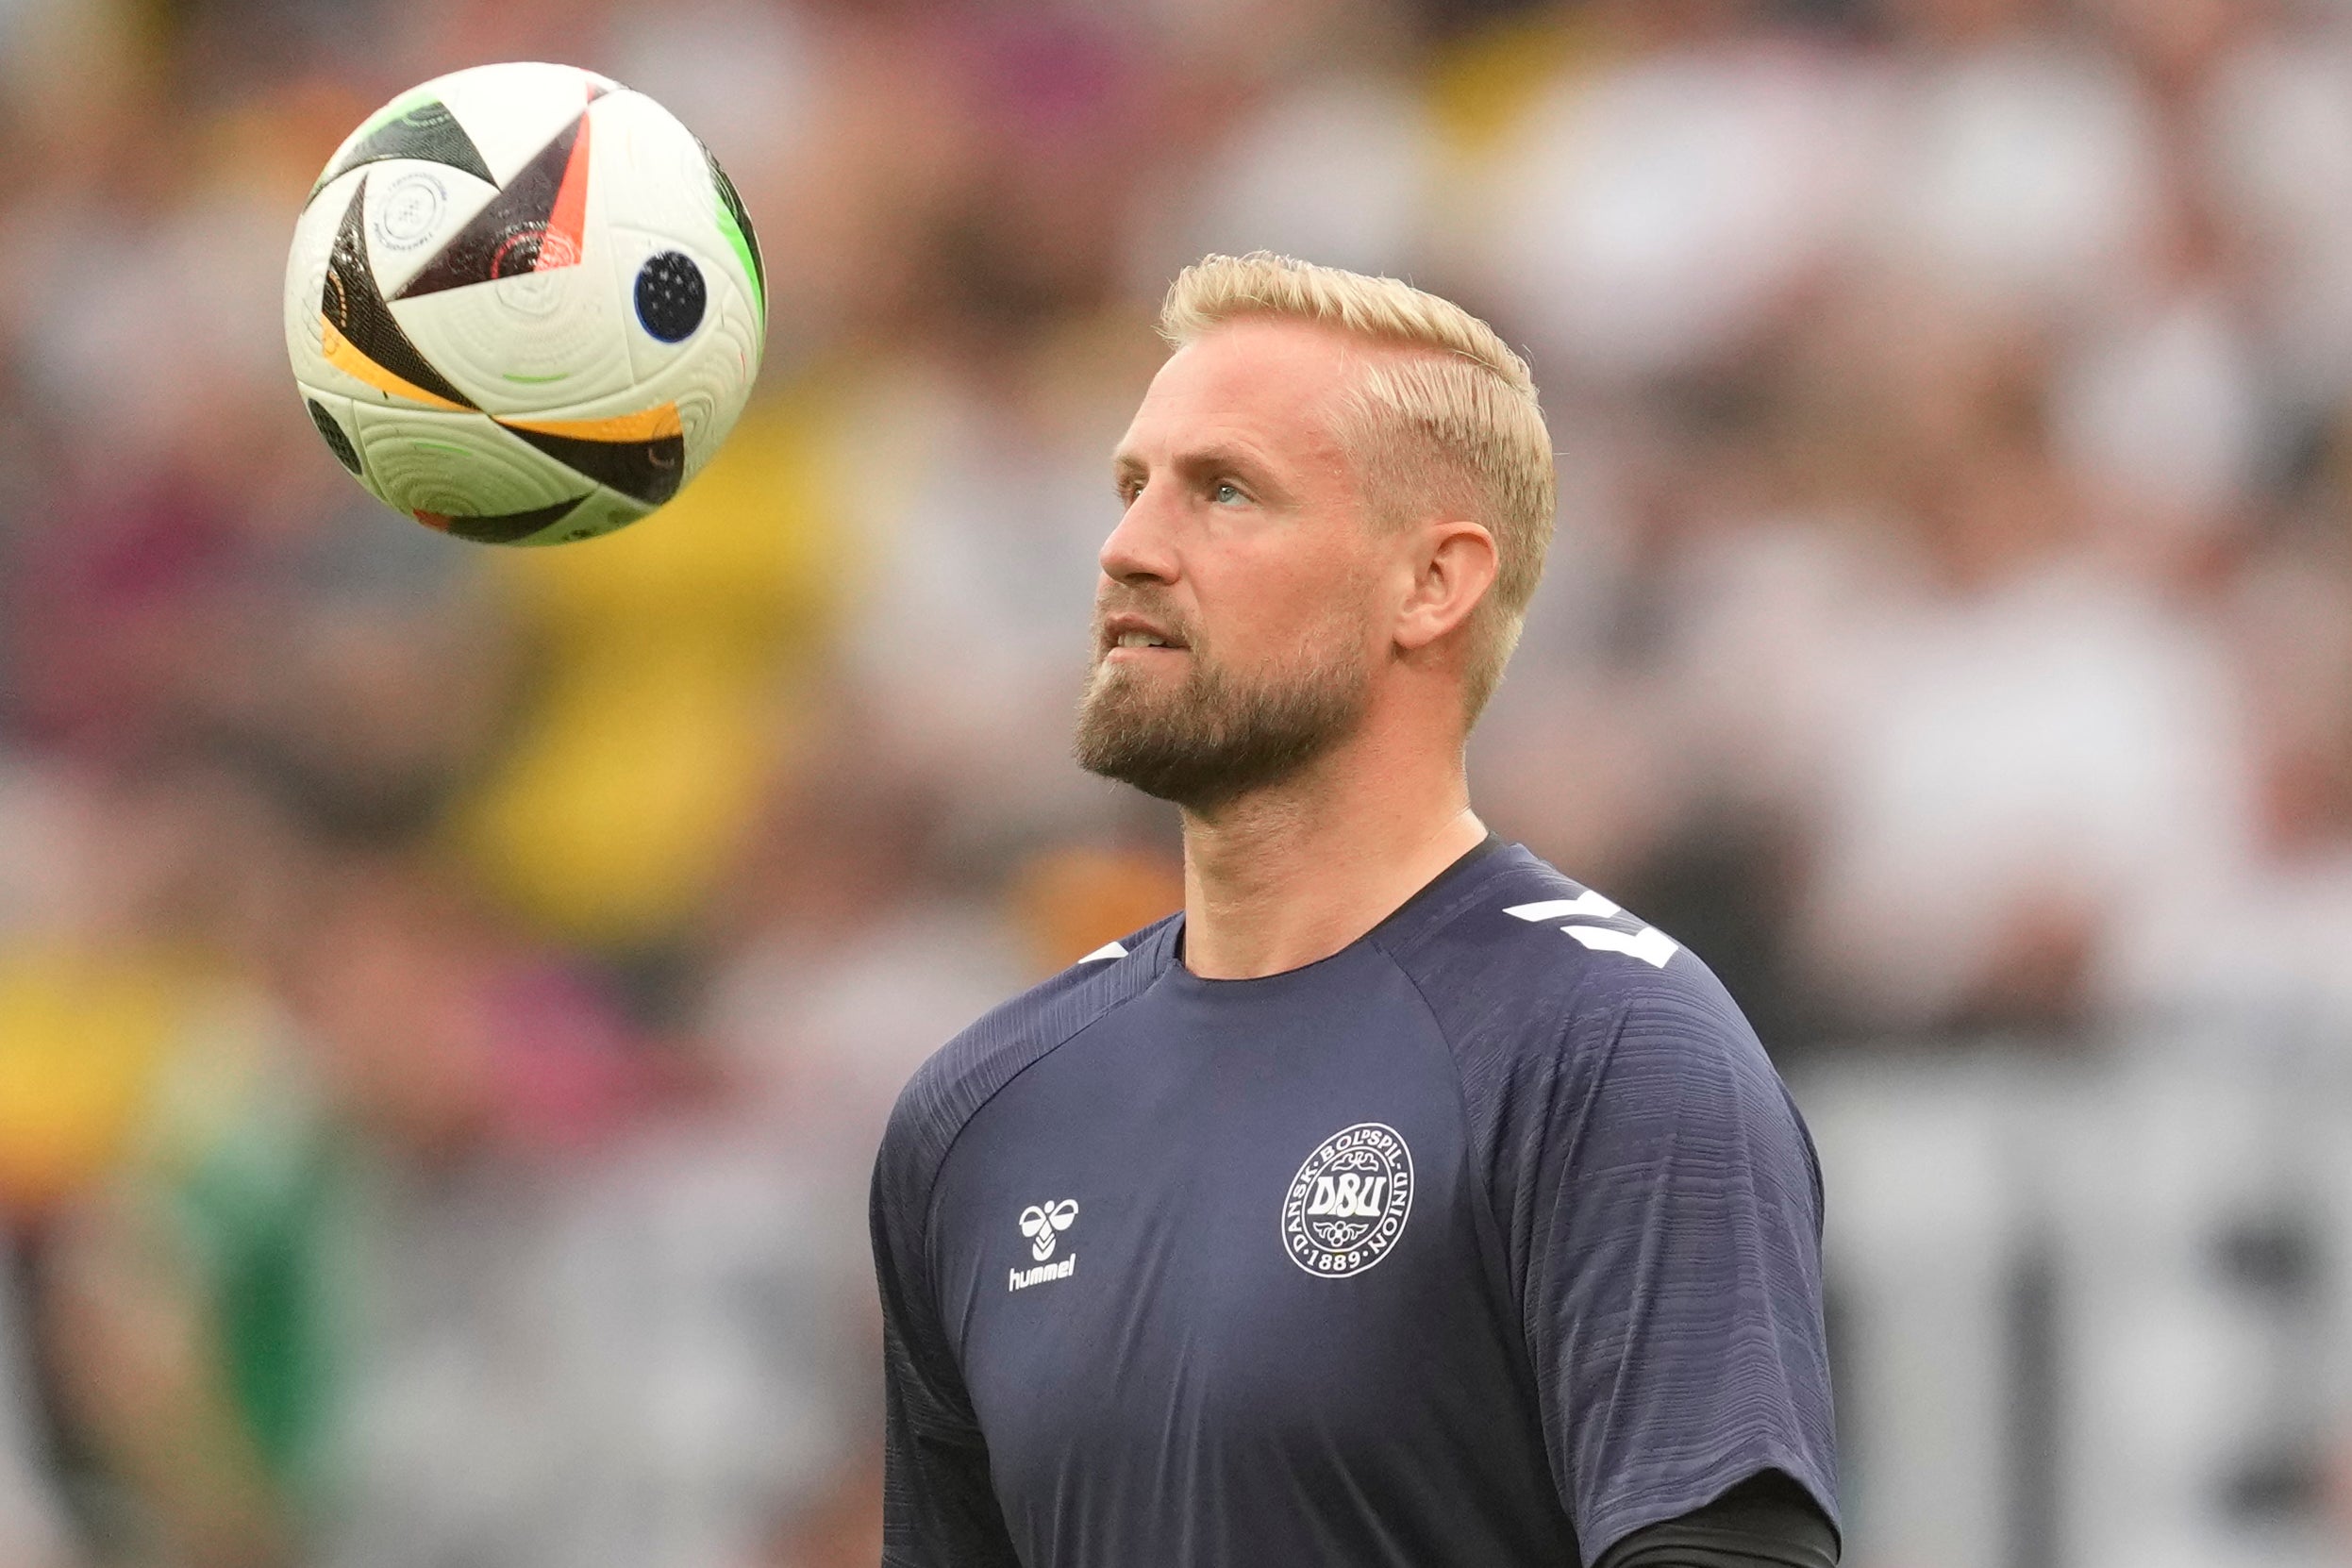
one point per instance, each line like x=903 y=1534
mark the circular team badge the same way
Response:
x=1349 y=1202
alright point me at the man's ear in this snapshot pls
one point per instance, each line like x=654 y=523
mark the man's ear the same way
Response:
x=1453 y=566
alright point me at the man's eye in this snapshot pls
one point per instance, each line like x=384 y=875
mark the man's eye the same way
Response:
x=1226 y=492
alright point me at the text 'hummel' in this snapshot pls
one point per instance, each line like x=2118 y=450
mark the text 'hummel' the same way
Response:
x=1022 y=1279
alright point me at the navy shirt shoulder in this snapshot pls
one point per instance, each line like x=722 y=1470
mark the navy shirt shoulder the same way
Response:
x=1656 y=1196
x=959 y=1078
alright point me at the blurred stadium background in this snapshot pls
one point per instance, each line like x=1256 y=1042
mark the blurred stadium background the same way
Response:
x=448 y=998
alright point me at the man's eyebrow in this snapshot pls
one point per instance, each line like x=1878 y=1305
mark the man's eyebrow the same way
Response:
x=1216 y=458
x=1219 y=458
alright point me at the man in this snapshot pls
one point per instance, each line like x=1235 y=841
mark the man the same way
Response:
x=1399 y=1201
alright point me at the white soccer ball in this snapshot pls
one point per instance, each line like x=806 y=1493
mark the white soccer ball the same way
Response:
x=525 y=305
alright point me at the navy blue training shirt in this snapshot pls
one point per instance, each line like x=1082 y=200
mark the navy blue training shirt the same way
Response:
x=1486 y=1241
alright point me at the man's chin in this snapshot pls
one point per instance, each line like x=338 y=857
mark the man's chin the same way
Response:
x=1166 y=746
x=1124 y=706
x=1133 y=669
x=1195 y=780
x=1116 y=719
x=1134 y=735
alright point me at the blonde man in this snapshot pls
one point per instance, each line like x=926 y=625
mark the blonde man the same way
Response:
x=1399 y=1201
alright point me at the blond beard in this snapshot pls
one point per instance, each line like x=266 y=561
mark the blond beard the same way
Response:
x=1213 y=739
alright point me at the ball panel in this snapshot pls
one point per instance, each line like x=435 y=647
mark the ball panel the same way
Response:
x=513 y=110
x=338 y=441
x=735 y=224
x=540 y=341
x=413 y=210
x=362 y=336
x=653 y=170
x=310 y=264
x=516 y=307
x=655 y=424
x=343 y=412
x=695 y=389
x=648 y=470
x=710 y=388
x=709 y=375
x=512 y=528
x=634 y=249
x=305 y=286
x=341 y=162
x=458 y=465
x=534 y=223
x=417 y=126
x=666 y=183
x=601 y=513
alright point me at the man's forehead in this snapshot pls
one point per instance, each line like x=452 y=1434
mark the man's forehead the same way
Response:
x=1256 y=383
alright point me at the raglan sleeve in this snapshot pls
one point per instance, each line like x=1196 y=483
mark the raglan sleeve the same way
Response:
x=938 y=1507
x=1672 y=1279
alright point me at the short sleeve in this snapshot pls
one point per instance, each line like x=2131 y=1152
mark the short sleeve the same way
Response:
x=938 y=1507
x=1673 y=1292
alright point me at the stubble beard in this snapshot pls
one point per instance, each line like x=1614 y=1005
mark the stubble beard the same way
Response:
x=1214 y=737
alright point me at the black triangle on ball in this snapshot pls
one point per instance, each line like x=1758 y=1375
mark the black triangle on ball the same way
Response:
x=647 y=471
x=518 y=231
x=331 y=431
x=429 y=132
x=508 y=528
x=355 y=306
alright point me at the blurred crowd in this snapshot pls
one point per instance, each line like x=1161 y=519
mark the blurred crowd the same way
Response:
x=448 y=997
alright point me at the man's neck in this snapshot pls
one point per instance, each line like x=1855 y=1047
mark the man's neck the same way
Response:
x=1294 y=873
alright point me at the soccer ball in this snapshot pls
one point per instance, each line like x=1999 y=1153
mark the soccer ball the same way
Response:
x=525 y=305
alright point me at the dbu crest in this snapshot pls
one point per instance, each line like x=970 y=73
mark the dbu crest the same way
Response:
x=1349 y=1202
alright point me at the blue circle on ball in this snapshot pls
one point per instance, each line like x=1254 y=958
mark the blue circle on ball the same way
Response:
x=671 y=296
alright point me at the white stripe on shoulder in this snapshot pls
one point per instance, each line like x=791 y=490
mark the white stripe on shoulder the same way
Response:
x=1649 y=944
x=1108 y=950
x=1552 y=909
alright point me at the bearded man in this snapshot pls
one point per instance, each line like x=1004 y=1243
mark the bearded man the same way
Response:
x=1399 y=1201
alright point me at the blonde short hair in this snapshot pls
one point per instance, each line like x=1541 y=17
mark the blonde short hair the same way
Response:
x=1457 y=426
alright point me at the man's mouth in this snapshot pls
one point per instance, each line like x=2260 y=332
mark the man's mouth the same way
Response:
x=1127 y=632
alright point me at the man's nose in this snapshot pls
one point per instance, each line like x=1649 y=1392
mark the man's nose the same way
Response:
x=1141 y=547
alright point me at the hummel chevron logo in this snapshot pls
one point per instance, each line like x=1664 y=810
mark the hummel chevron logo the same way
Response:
x=1650 y=944
x=1042 y=1222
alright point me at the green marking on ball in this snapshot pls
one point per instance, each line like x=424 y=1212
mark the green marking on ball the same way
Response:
x=538 y=380
x=745 y=254
x=400 y=108
x=734 y=222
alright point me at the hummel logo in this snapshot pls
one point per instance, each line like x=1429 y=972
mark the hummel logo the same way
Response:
x=1043 y=1223
x=1651 y=945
